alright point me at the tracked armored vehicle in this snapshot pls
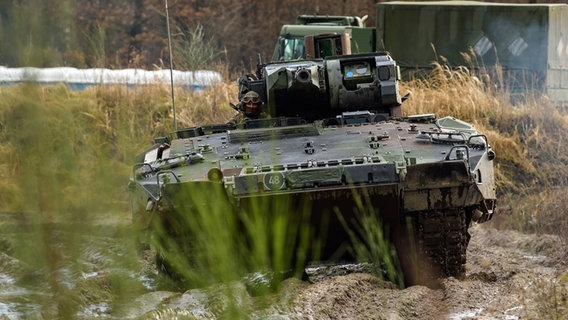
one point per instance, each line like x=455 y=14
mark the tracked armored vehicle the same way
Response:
x=335 y=141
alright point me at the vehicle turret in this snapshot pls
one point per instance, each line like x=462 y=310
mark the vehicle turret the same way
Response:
x=326 y=88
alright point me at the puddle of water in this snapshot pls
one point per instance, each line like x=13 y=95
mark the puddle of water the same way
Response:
x=16 y=311
x=538 y=258
x=93 y=274
x=97 y=310
x=464 y=314
x=6 y=280
x=512 y=316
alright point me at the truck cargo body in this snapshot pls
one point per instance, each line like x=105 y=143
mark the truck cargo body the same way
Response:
x=529 y=41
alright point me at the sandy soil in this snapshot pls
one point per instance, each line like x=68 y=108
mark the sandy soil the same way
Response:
x=509 y=276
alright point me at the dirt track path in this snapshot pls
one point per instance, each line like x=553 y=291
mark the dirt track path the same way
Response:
x=509 y=276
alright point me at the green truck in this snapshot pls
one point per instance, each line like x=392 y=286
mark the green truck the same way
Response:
x=323 y=29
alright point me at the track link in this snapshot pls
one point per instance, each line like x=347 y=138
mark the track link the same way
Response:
x=442 y=241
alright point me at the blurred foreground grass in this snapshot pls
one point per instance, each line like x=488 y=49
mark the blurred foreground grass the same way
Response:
x=63 y=191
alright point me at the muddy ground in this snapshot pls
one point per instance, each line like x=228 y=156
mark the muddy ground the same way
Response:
x=510 y=275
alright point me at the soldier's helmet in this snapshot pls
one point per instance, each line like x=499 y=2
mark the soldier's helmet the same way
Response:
x=251 y=103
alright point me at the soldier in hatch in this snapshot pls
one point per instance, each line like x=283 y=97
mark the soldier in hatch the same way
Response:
x=250 y=108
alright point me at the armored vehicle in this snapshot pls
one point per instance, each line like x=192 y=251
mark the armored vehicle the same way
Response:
x=335 y=148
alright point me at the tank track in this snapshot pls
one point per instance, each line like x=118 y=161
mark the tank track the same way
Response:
x=442 y=241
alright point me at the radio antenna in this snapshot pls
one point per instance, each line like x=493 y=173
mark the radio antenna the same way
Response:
x=171 y=65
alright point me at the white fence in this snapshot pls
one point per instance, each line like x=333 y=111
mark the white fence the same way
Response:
x=79 y=79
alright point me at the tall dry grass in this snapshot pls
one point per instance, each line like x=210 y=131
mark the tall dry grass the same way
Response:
x=528 y=137
x=70 y=150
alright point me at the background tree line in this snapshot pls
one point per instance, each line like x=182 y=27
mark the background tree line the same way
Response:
x=125 y=34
